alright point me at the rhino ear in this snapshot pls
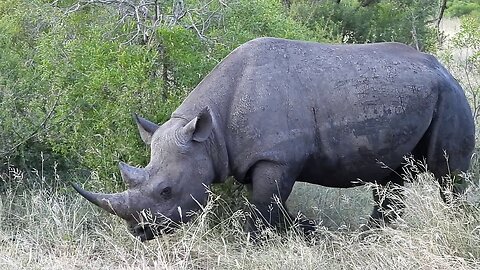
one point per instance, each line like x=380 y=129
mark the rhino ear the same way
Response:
x=146 y=128
x=200 y=127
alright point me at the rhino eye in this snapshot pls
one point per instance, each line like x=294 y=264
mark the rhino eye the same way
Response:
x=166 y=192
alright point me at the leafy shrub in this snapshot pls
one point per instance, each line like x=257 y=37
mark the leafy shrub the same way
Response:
x=25 y=103
x=458 y=8
x=246 y=20
x=69 y=91
x=401 y=21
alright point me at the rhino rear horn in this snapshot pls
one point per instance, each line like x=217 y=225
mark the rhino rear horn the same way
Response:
x=116 y=204
x=131 y=175
x=146 y=128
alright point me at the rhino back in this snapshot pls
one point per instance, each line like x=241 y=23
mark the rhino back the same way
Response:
x=331 y=112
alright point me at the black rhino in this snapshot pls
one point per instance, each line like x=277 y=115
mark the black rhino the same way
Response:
x=277 y=111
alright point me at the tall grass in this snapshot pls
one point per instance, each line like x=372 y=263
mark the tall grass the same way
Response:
x=44 y=228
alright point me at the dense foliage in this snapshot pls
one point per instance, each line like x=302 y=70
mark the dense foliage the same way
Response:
x=388 y=20
x=457 y=8
x=73 y=72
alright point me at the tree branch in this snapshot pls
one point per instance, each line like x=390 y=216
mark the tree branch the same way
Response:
x=441 y=11
x=443 y=6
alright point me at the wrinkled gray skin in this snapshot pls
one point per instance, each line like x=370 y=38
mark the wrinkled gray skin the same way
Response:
x=277 y=111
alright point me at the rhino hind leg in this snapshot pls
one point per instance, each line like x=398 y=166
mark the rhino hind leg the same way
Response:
x=448 y=157
x=388 y=198
x=449 y=173
x=450 y=141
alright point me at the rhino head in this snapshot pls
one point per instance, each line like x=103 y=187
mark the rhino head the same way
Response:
x=174 y=182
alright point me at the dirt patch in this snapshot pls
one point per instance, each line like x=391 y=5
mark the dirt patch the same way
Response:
x=450 y=26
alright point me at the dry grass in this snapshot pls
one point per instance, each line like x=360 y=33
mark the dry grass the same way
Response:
x=44 y=229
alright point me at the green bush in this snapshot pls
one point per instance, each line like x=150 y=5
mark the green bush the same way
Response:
x=458 y=8
x=185 y=56
x=246 y=20
x=25 y=103
x=69 y=91
x=347 y=21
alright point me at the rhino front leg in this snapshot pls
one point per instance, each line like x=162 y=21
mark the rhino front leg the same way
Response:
x=270 y=187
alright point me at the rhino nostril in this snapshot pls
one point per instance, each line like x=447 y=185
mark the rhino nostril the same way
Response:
x=139 y=230
x=166 y=192
x=144 y=232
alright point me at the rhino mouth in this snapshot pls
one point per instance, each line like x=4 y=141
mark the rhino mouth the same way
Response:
x=149 y=231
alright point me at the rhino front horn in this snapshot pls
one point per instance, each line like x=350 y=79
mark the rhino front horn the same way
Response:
x=131 y=175
x=116 y=203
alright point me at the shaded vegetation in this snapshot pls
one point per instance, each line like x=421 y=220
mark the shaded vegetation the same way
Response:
x=458 y=8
